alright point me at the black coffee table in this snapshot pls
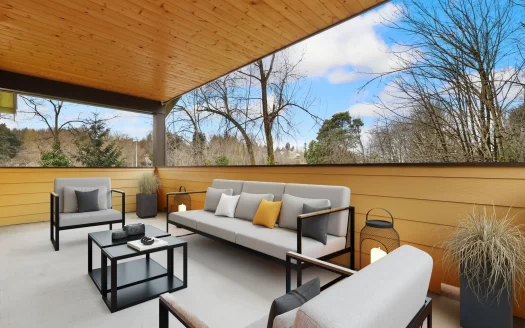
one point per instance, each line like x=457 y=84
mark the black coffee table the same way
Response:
x=140 y=280
x=103 y=239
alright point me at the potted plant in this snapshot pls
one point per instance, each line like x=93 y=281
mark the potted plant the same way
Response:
x=490 y=254
x=147 y=196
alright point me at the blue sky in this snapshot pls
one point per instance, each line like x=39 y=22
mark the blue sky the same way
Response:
x=332 y=61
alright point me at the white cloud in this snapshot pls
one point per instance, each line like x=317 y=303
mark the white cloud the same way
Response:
x=364 y=110
x=340 y=53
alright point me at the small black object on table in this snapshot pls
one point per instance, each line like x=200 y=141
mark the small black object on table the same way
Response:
x=142 y=279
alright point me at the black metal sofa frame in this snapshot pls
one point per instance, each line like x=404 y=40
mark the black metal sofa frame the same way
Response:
x=54 y=225
x=299 y=266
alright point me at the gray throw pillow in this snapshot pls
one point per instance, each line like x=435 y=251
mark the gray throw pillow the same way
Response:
x=87 y=200
x=294 y=299
x=213 y=196
x=249 y=203
x=293 y=207
x=316 y=227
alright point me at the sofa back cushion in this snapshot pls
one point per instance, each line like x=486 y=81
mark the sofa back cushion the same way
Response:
x=249 y=203
x=256 y=187
x=94 y=183
x=71 y=202
x=339 y=197
x=213 y=196
x=234 y=185
x=293 y=206
x=387 y=293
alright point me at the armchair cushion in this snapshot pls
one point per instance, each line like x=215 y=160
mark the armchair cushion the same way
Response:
x=75 y=183
x=294 y=299
x=70 y=198
x=395 y=287
x=315 y=227
x=87 y=200
x=72 y=219
x=186 y=316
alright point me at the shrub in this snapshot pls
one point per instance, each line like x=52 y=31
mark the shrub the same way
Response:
x=148 y=184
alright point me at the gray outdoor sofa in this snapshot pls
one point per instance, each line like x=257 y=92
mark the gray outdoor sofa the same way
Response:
x=391 y=292
x=277 y=242
x=63 y=206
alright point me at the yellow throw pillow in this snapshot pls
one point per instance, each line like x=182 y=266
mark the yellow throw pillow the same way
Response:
x=267 y=213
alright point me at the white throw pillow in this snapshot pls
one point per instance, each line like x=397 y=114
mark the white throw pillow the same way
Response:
x=70 y=198
x=227 y=205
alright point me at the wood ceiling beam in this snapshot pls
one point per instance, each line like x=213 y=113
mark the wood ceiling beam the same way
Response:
x=36 y=86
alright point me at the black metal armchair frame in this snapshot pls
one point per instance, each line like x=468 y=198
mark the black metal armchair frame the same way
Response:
x=54 y=218
x=425 y=313
x=299 y=266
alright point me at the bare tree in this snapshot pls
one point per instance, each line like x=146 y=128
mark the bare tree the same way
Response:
x=39 y=108
x=457 y=78
x=279 y=83
x=185 y=125
x=229 y=99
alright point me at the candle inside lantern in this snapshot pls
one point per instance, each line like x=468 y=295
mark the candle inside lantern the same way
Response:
x=182 y=208
x=376 y=254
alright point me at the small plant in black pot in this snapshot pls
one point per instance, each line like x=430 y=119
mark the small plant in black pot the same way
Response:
x=147 y=196
x=489 y=251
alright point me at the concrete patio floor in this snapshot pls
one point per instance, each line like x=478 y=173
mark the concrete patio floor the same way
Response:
x=227 y=287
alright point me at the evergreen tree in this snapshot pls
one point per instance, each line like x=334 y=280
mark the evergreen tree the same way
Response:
x=9 y=144
x=96 y=149
x=55 y=157
x=336 y=141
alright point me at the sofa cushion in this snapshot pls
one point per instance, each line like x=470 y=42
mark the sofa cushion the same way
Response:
x=213 y=196
x=190 y=218
x=293 y=207
x=277 y=242
x=94 y=183
x=222 y=227
x=235 y=185
x=87 y=200
x=249 y=203
x=256 y=187
x=71 y=219
x=70 y=198
x=387 y=293
x=294 y=299
x=315 y=227
x=339 y=197
x=227 y=205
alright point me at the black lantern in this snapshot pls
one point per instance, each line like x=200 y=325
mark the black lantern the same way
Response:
x=182 y=202
x=378 y=237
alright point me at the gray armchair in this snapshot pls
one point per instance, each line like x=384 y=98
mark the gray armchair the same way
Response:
x=63 y=206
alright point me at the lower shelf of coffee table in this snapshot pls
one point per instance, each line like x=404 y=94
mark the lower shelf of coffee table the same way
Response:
x=143 y=292
x=130 y=273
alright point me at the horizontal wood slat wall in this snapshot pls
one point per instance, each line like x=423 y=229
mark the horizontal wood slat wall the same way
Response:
x=427 y=202
x=24 y=192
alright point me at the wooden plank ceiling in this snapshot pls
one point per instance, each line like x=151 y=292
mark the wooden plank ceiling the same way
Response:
x=155 y=49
